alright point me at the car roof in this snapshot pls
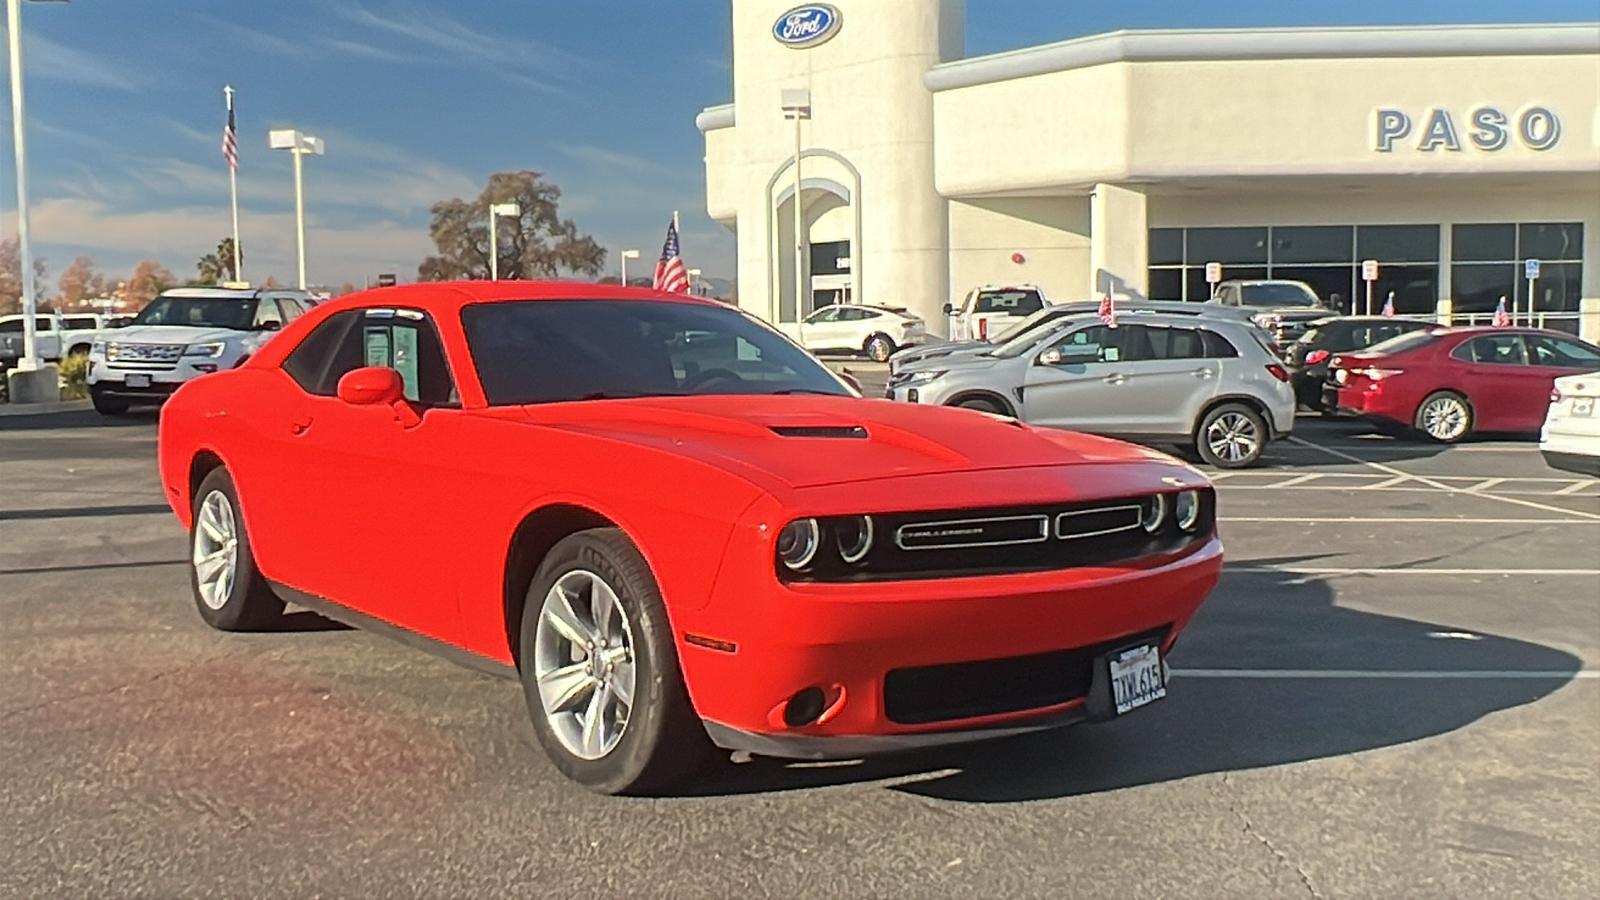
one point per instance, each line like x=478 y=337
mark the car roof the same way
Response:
x=232 y=293
x=448 y=297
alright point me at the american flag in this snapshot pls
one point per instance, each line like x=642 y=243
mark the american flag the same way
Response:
x=1108 y=312
x=230 y=146
x=1388 y=305
x=671 y=276
x=1501 y=318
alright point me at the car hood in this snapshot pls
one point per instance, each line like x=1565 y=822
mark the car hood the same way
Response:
x=173 y=334
x=942 y=350
x=812 y=441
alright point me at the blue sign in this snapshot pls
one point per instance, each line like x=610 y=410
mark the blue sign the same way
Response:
x=807 y=26
x=1531 y=268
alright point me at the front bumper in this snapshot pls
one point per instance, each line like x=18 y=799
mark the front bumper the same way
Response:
x=849 y=639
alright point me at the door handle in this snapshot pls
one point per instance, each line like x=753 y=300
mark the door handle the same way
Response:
x=1114 y=378
x=300 y=426
x=1201 y=373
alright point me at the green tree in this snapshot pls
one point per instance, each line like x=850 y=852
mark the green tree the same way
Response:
x=218 y=267
x=536 y=244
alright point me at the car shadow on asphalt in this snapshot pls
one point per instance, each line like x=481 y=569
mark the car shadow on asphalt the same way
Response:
x=304 y=620
x=1260 y=622
x=77 y=418
x=1385 y=445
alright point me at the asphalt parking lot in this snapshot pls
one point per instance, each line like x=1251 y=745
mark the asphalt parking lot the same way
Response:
x=1394 y=692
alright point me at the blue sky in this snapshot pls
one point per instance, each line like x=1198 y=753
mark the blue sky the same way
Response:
x=419 y=100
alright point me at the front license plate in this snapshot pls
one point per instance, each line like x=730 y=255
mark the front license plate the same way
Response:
x=1136 y=678
x=137 y=380
x=1583 y=406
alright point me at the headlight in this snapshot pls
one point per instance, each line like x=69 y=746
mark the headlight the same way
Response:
x=855 y=538
x=1187 y=508
x=98 y=348
x=209 y=351
x=1154 y=513
x=797 y=543
x=916 y=378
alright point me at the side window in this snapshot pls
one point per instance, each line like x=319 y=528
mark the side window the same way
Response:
x=311 y=363
x=1217 y=346
x=79 y=323
x=13 y=326
x=830 y=314
x=290 y=308
x=266 y=315
x=406 y=341
x=1565 y=354
x=1495 y=349
x=1098 y=339
x=1141 y=342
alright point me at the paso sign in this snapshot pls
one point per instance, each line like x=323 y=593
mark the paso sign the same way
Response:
x=807 y=26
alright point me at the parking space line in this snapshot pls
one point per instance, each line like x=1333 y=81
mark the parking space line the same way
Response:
x=1485 y=484
x=1428 y=674
x=1405 y=520
x=1423 y=479
x=1400 y=570
x=1386 y=483
x=1574 y=488
x=1298 y=479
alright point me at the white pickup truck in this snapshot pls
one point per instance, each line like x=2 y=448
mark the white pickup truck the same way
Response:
x=988 y=310
x=56 y=335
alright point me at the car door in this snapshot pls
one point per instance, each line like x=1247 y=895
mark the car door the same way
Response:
x=817 y=329
x=1165 y=381
x=1506 y=393
x=1552 y=357
x=383 y=500
x=1079 y=390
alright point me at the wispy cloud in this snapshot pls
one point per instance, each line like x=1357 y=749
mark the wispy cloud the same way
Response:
x=509 y=58
x=366 y=51
x=45 y=58
x=265 y=42
x=611 y=159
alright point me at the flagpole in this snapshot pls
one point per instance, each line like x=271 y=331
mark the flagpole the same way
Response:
x=233 y=197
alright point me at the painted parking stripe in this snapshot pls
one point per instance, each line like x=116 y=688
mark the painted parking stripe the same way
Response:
x=1391 y=674
x=1485 y=484
x=1298 y=479
x=1573 y=489
x=1401 y=570
x=1385 y=484
x=1403 y=520
x=1390 y=470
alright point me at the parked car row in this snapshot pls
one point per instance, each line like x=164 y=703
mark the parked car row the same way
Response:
x=56 y=335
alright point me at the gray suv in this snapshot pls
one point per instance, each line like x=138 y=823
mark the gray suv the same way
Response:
x=1196 y=381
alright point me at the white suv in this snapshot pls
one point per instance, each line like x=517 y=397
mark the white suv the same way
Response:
x=184 y=333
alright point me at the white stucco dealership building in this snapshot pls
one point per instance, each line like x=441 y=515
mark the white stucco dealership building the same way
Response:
x=1128 y=161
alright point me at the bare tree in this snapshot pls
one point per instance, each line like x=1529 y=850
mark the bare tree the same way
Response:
x=149 y=278
x=79 y=282
x=11 y=276
x=536 y=244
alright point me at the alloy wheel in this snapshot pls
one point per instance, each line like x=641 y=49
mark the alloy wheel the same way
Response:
x=216 y=550
x=583 y=664
x=1445 y=418
x=1233 y=437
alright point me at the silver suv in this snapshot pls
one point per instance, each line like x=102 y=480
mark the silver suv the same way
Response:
x=1207 y=383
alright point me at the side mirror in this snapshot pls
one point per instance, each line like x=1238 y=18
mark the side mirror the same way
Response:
x=851 y=380
x=371 y=386
x=269 y=326
x=949 y=309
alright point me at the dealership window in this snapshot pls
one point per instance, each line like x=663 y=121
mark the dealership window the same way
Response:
x=1487 y=264
x=1326 y=257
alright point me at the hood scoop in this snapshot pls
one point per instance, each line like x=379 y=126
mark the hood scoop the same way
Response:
x=856 y=432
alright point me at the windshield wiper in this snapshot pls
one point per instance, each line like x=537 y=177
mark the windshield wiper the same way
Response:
x=808 y=391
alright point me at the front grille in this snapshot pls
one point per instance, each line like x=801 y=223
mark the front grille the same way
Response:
x=918 y=695
x=119 y=352
x=951 y=543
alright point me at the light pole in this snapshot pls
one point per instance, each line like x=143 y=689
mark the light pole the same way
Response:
x=797 y=106
x=624 y=256
x=496 y=210
x=299 y=145
x=694 y=276
x=30 y=349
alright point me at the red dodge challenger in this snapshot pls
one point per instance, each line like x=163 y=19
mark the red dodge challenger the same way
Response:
x=678 y=529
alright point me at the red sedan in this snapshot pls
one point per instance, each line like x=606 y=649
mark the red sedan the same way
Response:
x=677 y=528
x=1448 y=384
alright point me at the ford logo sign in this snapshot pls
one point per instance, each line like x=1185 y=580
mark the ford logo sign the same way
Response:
x=807 y=26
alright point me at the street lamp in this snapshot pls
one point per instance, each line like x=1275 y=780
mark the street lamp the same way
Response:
x=496 y=210
x=299 y=145
x=625 y=256
x=30 y=349
x=797 y=106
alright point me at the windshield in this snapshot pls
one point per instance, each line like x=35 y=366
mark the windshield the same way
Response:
x=545 y=351
x=205 y=312
x=1279 y=295
x=1404 y=342
x=1042 y=331
x=1026 y=325
x=1016 y=302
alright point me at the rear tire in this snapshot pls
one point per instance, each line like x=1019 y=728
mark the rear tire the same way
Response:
x=106 y=405
x=1444 y=417
x=600 y=669
x=229 y=590
x=879 y=348
x=1231 y=436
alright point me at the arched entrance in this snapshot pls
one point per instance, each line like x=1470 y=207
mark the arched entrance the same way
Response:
x=831 y=229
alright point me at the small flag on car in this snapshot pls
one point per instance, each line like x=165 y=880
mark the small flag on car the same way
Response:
x=1108 y=311
x=671 y=276
x=1388 y=305
x=1501 y=319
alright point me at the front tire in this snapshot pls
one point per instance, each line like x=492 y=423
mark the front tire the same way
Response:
x=879 y=348
x=229 y=590
x=981 y=404
x=1443 y=416
x=600 y=669
x=1231 y=436
x=105 y=404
